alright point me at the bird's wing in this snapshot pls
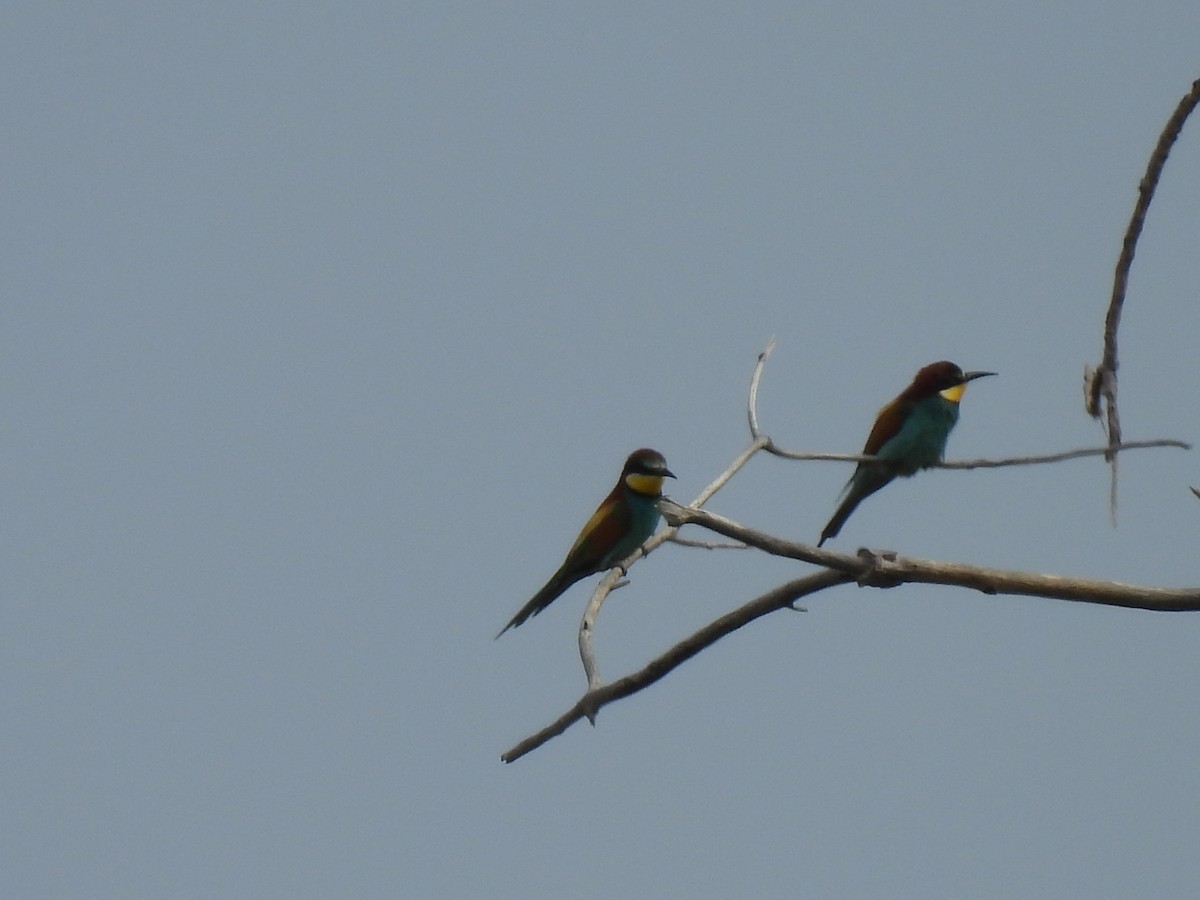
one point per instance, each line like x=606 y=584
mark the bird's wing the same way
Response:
x=608 y=524
x=599 y=535
x=887 y=425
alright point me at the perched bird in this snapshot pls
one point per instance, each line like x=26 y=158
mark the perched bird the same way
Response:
x=622 y=523
x=909 y=434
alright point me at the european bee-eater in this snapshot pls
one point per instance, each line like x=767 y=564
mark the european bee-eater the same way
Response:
x=909 y=434
x=620 y=524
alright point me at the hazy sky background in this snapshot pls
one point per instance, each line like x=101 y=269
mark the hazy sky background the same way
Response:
x=325 y=327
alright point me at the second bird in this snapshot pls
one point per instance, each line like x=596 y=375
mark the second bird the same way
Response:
x=909 y=434
x=623 y=522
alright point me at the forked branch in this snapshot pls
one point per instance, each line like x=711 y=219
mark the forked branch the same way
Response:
x=886 y=570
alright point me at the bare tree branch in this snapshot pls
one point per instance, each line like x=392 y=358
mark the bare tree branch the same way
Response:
x=1101 y=383
x=752 y=403
x=587 y=627
x=1059 y=457
x=591 y=702
x=889 y=570
x=987 y=463
x=865 y=568
x=762 y=442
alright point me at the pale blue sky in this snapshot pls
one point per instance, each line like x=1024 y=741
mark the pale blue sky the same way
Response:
x=325 y=327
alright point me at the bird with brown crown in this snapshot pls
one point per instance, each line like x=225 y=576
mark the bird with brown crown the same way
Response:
x=909 y=435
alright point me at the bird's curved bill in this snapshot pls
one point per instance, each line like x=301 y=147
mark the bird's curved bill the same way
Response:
x=971 y=376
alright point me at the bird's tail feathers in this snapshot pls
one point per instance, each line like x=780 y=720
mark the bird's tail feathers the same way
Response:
x=864 y=483
x=543 y=598
x=835 y=524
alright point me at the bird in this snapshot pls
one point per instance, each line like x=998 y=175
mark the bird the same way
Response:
x=909 y=434
x=621 y=523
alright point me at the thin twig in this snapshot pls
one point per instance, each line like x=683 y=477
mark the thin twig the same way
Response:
x=1059 y=457
x=1101 y=383
x=817 y=455
x=610 y=582
x=752 y=402
x=706 y=545
x=986 y=463
x=763 y=442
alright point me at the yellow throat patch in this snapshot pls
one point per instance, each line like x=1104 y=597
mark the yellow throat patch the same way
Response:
x=647 y=485
x=954 y=394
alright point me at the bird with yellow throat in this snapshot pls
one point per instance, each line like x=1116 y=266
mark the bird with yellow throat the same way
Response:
x=909 y=435
x=623 y=522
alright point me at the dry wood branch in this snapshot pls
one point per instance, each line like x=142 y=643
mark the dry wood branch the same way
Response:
x=752 y=403
x=1100 y=384
x=609 y=583
x=888 y=570
x=1059 y=457
x=864 y=568
x=988 y=463
x=782 y=597
x=763 y=442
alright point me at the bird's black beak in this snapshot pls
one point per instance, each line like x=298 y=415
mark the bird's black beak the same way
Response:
x=971 y=376
x=666 y=473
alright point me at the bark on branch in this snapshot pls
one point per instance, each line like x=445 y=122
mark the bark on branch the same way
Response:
x=590 y=703
x=890 y=570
